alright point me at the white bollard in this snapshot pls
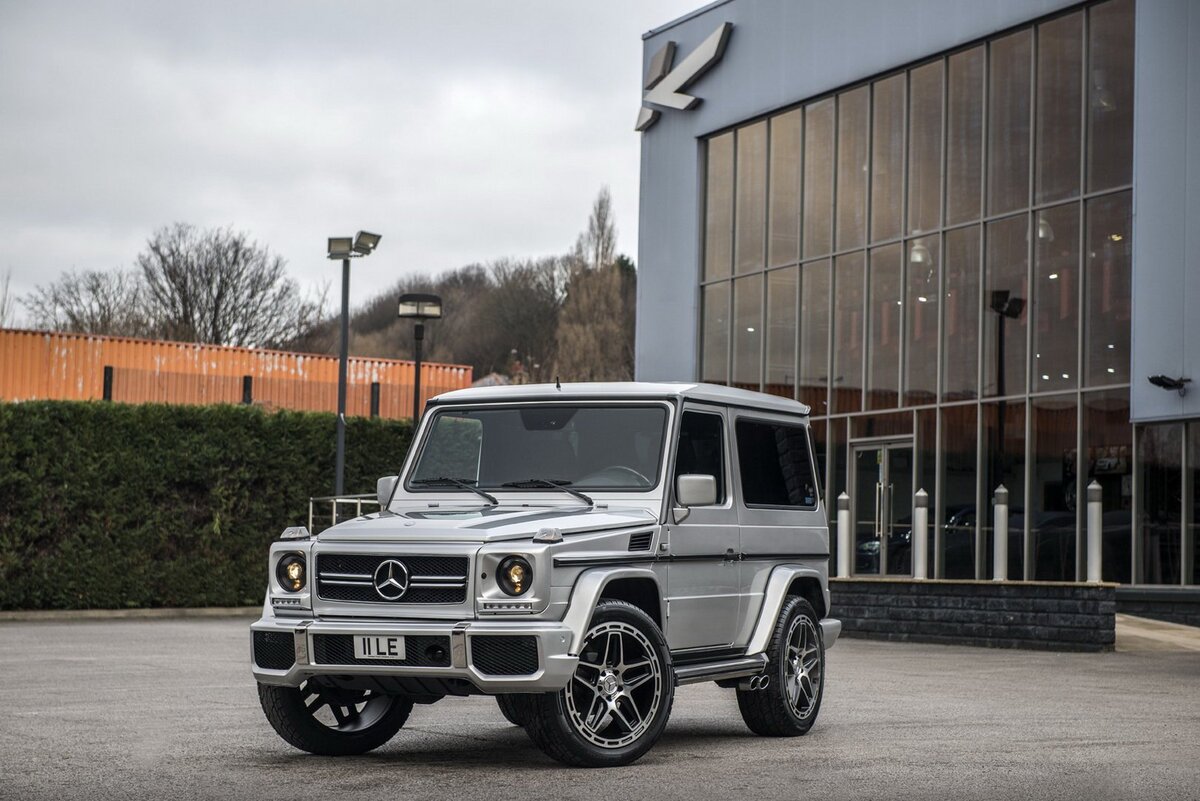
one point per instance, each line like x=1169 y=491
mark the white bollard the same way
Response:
x=1000 y=536
x=1095 y=526
x=845 y=537
x=920 y=535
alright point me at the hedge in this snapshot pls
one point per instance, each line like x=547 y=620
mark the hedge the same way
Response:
x=106 y=505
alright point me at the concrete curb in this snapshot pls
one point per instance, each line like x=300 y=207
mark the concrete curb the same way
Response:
x=50 y=615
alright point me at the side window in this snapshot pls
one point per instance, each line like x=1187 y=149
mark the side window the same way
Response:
x=701 y=448
x=775 y=466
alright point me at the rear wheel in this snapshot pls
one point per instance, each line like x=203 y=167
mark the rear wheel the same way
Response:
x=331 y=721
x=517 y=708
x=789 y=704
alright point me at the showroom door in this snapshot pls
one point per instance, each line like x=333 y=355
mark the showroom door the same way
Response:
x=881 y=502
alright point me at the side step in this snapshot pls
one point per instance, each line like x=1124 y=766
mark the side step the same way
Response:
x=726 y=669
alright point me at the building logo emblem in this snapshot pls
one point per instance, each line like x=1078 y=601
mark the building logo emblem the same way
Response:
x=391 y=580
x=664 y=86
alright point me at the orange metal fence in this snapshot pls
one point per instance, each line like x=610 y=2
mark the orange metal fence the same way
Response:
x=46 y=365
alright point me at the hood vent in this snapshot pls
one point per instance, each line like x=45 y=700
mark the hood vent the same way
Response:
x=640 y=541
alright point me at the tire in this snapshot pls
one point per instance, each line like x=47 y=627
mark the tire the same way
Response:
x=617 y=703
x=788 y=706
x=333 y=722
x=517 y=708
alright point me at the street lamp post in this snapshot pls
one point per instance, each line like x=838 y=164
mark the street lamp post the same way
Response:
x=346 y=248
x=419 y=307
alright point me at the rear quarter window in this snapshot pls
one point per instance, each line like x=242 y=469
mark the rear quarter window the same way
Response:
x=774 y=465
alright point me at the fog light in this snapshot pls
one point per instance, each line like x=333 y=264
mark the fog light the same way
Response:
x=515 y=575
x=291 y=572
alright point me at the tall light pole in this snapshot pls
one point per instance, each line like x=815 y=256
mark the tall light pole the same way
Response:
x=346 y=248
x=419 y=307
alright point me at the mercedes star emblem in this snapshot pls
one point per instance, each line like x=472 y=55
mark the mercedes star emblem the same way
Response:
x=391 y=580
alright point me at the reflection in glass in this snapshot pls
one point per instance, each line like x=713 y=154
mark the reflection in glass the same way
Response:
x=1107 y=291
x=853 y=110
x=781 y=332
x=1059 y=99
x=921 y=322
x=1004 y=463
x=747 y=332
x=1160 y=451
x=751 y=212
x=818 y=178
x=1191 y=564
x=784 y=242
x=1108 y=460
x=925 y=148
x=925 y=475
x=1006 y=307
x=836 y=444
x=718 y=206
x=814 y=335
x=1008 y=123
x=883 y=355
x=1053 y=502
x=1056 y=298
x=956 y=549
x=960 y=364
x=1110 y=95
x=964 y=136
x=848 y=333
x=887 y=158
x=714 y=368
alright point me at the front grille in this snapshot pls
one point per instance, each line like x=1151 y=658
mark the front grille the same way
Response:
x=274 y=650
x=504 y=655
x=419 y=651
x=432 y=579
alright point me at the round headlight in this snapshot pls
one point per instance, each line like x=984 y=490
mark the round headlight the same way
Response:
x=291 y=572
x=515 y=575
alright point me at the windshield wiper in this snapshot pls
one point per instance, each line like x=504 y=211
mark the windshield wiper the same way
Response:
x=558 y=484
x=458 y=482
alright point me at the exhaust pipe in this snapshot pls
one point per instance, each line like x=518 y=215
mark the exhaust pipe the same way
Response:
x=760 y=682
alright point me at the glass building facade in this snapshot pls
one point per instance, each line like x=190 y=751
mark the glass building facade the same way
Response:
x=937 y=261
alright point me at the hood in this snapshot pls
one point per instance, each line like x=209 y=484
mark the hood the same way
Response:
x=487 y=524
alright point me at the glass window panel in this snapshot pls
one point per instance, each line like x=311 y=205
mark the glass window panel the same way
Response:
x=1110 y=95
x=1008 y=122
x=883 y=355
x=781 y=332
x=921 y=322
x=1107 y=291
x=893 y=424
x=814 y=336
x=1108 y=452
x=955 y=540
x=818 y=178
x=887 y=157
x=718 y=205
x=1004 y=463
x=925 y=148
x=925 y=475
x=751 y=213
x=1056 y=298
x=836 y=480
x=852 y=167
x=1006 y=307
x=1059 y=107
x=1191 y=564
x=1160 y=453
x=960 y=360
x=747 y=332
x=714 y=363
x=849 y=332
x=964 y=136
x=784 y=242
x=1053 y=502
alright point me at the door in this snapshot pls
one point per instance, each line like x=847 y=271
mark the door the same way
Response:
x=881 y=504
x=702 y=568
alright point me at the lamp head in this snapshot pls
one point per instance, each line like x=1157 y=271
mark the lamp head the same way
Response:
x=340 y=247
x=365 y=243
x=420 y=306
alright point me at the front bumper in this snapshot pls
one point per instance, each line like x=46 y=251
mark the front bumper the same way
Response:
x=554 y=665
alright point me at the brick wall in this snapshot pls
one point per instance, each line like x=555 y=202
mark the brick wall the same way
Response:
x=1173 y=604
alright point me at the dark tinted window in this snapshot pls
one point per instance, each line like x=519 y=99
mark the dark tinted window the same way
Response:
x=702 y=448
x=774 y=463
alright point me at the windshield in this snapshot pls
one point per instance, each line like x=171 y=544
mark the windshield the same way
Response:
x=537 y=447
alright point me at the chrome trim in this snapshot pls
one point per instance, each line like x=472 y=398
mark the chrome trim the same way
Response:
x=728 y=669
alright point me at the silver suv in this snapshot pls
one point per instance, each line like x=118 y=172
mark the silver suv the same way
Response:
x=576 y=552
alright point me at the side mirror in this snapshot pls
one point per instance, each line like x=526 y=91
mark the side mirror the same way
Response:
x=383 y=490
x=696 y=490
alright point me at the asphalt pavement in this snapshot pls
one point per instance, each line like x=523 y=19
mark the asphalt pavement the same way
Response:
x=159 y=709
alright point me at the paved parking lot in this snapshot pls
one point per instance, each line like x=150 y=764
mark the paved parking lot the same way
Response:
x=167 y=709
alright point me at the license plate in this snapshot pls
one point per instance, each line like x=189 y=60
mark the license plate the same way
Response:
x=373 y=647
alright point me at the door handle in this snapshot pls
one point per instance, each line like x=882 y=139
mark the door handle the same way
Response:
x=730 y=555
x=878 y=509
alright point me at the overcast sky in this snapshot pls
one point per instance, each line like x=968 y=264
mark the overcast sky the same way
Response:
x=460 y=130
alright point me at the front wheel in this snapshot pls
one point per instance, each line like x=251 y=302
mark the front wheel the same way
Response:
x=618 y=701
x=517 y=708
x=788 y=705
x=331 y=721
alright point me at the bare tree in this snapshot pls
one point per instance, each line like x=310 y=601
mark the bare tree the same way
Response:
x=598 y=244
x=218 y=287
x=7 y=301
x=90 y=302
